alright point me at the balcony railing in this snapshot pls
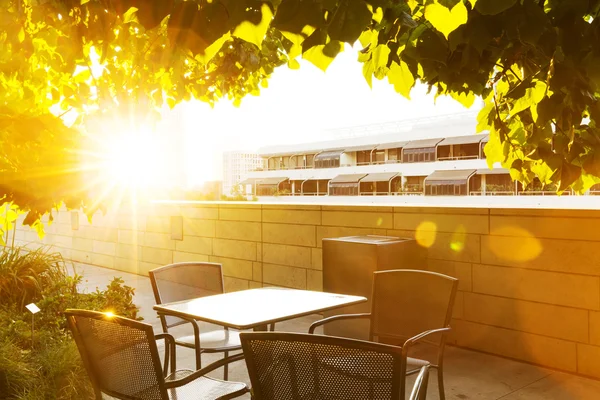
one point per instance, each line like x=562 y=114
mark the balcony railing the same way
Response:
x=543 y=193
x=492 y=193
x=475 y=157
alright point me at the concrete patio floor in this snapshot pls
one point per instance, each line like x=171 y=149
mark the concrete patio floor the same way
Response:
x=468 y=374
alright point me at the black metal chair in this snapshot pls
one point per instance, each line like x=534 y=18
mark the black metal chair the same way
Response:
x=189 y=280
x=409 y=307
x=293 y=366
x=121 y=358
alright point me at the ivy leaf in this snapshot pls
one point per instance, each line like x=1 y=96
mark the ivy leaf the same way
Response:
x=493 y=7
x=533 y=95
x=444 y=19
x=400 y=76
x=255 y=33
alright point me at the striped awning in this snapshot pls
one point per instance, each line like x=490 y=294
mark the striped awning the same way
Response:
x=367 y=147
x=329 y=155
x=448 y=176
x=379 y=177
x=494 y=171
x=347 y=178
x=264 y=181
x=471 y=139
x=393 y=145
x=421 y=144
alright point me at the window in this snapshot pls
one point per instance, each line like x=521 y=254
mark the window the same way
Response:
x=394 y=155
x=363 y=157
x=379 y=156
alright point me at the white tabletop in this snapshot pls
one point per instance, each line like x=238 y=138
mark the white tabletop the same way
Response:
x=255 y=308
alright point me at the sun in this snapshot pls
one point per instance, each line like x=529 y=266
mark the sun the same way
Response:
x=132 y=160
x=125 y=161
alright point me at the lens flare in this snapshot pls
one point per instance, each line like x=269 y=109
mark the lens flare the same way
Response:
x=426 y=233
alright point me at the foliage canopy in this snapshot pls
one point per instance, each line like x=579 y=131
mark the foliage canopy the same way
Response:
x=535 y=63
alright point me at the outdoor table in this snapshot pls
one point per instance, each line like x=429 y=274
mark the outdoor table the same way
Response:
x=256 y=308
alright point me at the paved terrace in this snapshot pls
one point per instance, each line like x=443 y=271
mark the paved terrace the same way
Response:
x=469 y=374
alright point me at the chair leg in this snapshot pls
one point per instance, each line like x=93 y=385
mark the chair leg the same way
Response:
x=198 y=359
x=226 y=368
x=440 y=376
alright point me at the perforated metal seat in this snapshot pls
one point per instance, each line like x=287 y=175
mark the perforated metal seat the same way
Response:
x=292 y=366
x=186 y=281
x=122 y=361
x=409 y=307
x=210 y=388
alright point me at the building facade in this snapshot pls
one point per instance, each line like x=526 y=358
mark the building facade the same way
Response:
x=440 y=158
x=236 y=167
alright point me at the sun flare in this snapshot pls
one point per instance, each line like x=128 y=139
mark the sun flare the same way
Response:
x=132 y=160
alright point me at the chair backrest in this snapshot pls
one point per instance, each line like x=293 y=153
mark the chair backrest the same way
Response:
x=185 y=281
x=291 y=366
x=120 y=355
x=408 y=302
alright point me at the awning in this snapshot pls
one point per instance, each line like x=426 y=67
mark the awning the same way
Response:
x=393 y=145
x=495 y=171
x=329 y=155
x=379 y=177
x=420 y=144
x=249 y=181
x=264 y=181
x=471 y=139
x=347 y=178
x=449 y=176
x=485 y=139
x=368 y=147
x=271 y=181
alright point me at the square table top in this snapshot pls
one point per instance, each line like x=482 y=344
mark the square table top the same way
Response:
x=253 y=308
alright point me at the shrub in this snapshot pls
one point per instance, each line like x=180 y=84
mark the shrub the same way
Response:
x=52 y=369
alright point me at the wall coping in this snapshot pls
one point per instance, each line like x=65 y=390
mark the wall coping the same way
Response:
x=460 y=202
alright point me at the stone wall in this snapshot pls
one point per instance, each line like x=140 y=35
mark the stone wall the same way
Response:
x=529 y=279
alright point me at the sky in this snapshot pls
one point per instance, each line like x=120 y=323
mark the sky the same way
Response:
x=298 y=106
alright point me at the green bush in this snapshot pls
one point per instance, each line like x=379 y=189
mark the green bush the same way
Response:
x=52 y=369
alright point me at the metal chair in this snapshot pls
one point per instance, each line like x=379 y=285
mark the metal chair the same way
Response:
x=293 y=366
x=121 y=358
x=409 y=307
x=189 y=280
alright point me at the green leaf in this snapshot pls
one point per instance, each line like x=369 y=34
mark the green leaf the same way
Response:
x=485 y=117
x=444 y=19
x=380 y=57
x=401 y=77
x=322 y=55
x=466 y=98
x=494 y=150
x=349 y=21
x=293 y=64
x=493 y=7
x=569 y=173
x=533 y=95
x=255 y=33
x=130 y=15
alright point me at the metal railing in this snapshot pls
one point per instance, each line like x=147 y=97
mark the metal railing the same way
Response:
x=374 y=194
x=475 y=157
x=543 y=193
x=492 y=193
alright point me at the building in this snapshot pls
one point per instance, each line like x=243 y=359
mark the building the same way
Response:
x=236 y=166
x=438 y=157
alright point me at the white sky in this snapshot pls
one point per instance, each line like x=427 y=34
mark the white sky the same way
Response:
x=298 y=107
